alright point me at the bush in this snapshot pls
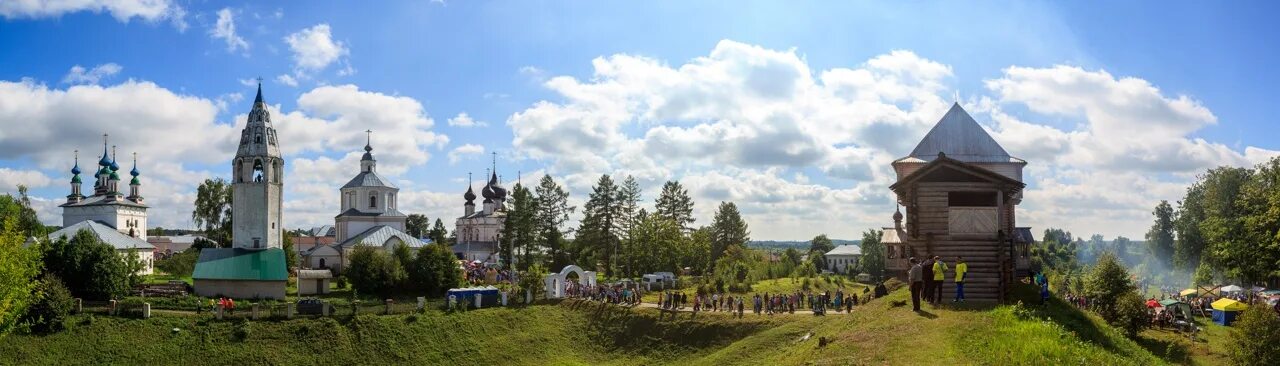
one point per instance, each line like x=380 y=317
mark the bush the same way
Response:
x=52 y=305
x=373 y=271
x=89 y=268
x=1115 y=298
x=1254 y=340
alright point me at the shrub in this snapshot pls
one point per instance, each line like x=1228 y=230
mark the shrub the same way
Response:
x=1115 y=298
x=1254 y=340
x=373 y=271
x=89 y=268
x=52 y=305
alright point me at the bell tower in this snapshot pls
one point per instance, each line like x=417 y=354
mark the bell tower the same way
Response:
x=257 y=183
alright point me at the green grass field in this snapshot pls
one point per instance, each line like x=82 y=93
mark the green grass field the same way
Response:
x=581 y=333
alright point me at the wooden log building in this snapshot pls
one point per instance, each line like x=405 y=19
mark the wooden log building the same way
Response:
x=959 y=189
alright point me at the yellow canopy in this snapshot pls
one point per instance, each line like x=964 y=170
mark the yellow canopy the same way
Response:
x=1188 y=292
x=1229 y=305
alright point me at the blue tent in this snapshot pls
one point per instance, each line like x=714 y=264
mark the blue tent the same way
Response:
x=488 y=296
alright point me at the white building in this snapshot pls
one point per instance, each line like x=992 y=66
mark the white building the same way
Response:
x=254 y=266
x=368 y=218
x=843 y=258
x=112 y=217
x=478 y=232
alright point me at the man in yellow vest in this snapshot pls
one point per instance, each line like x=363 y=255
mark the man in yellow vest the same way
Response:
x=961 y=269
x=939 y=275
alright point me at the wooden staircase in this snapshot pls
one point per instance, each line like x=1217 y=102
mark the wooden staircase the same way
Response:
x=983 y=282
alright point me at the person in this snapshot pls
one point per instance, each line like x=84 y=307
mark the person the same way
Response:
x=1044 y=287
x=962 y=268
x=939 y=276
x=926 y=268
x=916 y=278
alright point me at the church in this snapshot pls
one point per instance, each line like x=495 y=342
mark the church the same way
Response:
x=368 y=218
x=478 y=232
x=115 y=219
x=960 y=190
x=254 y=267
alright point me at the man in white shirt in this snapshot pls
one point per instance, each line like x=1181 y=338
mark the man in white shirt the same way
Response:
x=915 y=276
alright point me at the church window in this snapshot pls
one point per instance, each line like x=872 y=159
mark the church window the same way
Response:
x=257 y=138
x=322 y=263
x=373 y=201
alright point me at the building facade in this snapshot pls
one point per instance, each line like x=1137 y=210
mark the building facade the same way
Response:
x=959 y=189
x=478 y=232
x=109 y=209
x=368 y=218
x=254 y=267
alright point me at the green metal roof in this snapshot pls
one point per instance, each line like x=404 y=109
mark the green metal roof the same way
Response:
x=241 y=264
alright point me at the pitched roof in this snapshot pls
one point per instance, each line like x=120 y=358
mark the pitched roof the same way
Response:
x=378 y=235
x=369 y=179
x=355 y=212
x=103 y=200
x=890 y=236
x=104 y=233
x=945 y=160
x=846 y=250
x=241 y=264
x=1023 y=235
x=961 y=138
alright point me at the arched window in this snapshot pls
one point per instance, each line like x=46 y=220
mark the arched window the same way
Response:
x=373 y=201
x=257 y=170
x=322 y=263
x=257 y=138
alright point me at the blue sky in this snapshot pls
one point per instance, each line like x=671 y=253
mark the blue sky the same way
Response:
x=1089 y=92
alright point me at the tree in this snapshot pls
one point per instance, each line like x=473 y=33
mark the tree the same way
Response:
x=873 y=254
x=628 y=205
x=597 y=233
x=213 y=210
x=696 y=253
x=1114 y=296
x=1257 y=257
x=727 y=230
x=675 y=205
x=180 y=264
x=439 y=234
x=18 y=267
x=25 y=222
x=1254 y=340
x=373 y=271
x=1160 y=236
x=1221 y=228
x=434 y=270
x=53 y=303
x=818 y=248
x=89 y=268
x=519 y=231
x=553 y=212
x=653 y=245
x=290 y=254
x=417 y=225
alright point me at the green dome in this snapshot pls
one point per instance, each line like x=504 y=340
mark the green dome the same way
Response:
x=134 y=181
x=114 y=176
x=75 y=179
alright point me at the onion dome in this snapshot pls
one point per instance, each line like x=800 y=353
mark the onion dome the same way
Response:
x=134 y=172
x=469 y=196
x=114 y=167
x=897 y=215
x=368 y=153
x=134 y=181
x=106 y=158
x=114 y=176
x=75 y=179
x=488 y=191
x=75 y=170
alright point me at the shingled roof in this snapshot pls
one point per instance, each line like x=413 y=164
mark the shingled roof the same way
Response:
x=961 y=138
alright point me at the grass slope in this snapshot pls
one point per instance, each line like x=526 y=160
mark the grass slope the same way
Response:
x=577 y=333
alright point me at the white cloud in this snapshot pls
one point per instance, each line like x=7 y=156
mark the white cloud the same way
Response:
x=460 y=152
x=286 y=79
x=121 y=10
x=78 y=74
x=225 y=29
x=733 y=123
x=11 y=178
x=314 y=48
x=464 y=120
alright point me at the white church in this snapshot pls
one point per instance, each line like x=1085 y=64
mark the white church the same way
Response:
x=478 y=231
x=368 y=218
x=113 y=218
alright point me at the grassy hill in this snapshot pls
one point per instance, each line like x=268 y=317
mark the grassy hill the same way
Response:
x=573 y=333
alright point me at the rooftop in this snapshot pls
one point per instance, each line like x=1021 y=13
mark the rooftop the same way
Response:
x=104 y=233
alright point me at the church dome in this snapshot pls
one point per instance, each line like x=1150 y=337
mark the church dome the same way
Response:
x=75 y=179
x=488 y=192
x=469 y=196
x=134 y=181
x=114 y=176
x=134 y=172
x=75 y=169
x=114 y=166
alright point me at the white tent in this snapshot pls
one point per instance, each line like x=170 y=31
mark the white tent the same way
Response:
x=1231 y=288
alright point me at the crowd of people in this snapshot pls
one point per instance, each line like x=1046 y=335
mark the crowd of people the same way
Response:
x=618 y=294
x=819 y=303
x=476 y=274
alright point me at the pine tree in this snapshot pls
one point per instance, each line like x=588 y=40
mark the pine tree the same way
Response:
x=553 y=212
x=521 y=225
x=597 y=232
x=728 y=230
x=628 y=205
x=675 y=205
x=438 y=234
x=417 y=225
